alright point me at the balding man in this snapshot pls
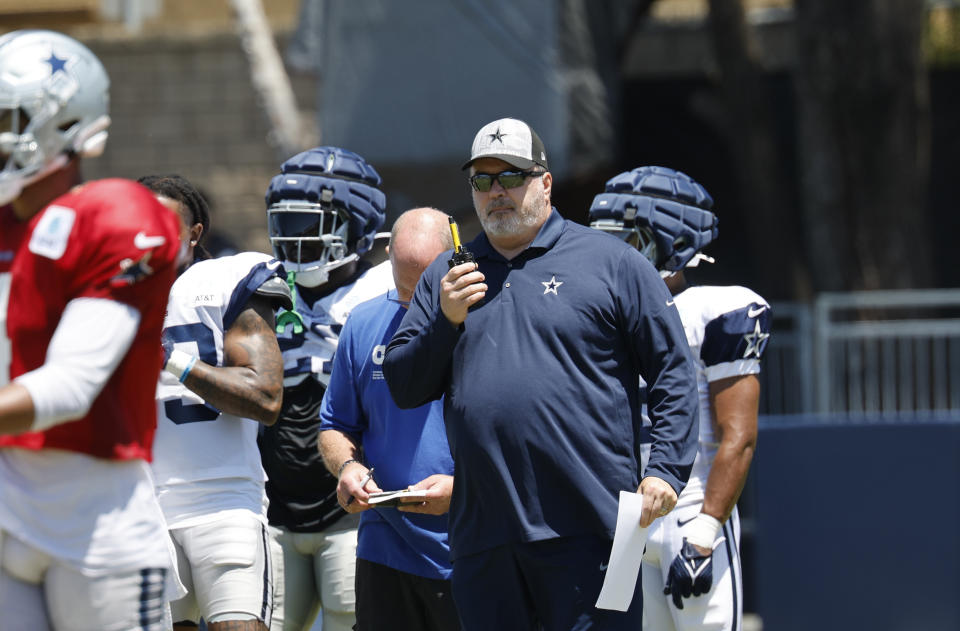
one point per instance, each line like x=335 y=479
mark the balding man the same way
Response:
x=403 y=556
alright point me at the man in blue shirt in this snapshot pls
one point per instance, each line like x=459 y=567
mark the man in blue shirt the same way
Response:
x=403 y=558
x=537 y=349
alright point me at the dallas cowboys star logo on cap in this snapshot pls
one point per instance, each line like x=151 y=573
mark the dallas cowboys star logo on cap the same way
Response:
x=498 y=136
x=550 y=286
x=56 y=63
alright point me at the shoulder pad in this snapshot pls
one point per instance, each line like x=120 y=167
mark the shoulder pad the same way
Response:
x=277 y=289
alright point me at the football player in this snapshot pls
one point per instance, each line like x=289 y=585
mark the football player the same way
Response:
x=223 y=376
x=84 y=275
x=323 y=213
x=691 y=566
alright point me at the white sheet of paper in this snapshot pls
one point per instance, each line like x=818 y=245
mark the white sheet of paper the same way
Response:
x=625 y=555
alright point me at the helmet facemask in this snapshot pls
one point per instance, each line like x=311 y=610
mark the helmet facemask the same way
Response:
x=323 y=212
x=639 y=237
x=661 y=212
x=311 y=239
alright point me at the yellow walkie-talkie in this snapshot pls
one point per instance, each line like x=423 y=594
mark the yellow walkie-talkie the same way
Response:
x=460 y=255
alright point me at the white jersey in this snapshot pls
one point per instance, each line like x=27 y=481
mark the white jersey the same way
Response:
x=302 y=492
x=205 y=460
x=323 y=321
x=727 y=329
x=108 y=524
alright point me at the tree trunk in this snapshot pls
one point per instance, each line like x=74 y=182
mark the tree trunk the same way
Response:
x=288 y=133
x=766 y=197
x=864 y=142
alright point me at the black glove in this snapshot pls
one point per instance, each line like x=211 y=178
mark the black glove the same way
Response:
x=691 y=574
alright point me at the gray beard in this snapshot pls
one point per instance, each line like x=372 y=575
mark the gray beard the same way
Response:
x=512 y=223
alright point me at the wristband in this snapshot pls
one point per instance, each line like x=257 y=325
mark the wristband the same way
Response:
x=179 y=364
x=702 y=530
x=345 y=463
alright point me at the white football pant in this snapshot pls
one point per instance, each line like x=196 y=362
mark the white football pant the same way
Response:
x=41 y=594
x=319 y=570
x=719 y=610
x=227 y=569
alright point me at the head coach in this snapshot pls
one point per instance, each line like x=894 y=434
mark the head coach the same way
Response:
x=538 y=348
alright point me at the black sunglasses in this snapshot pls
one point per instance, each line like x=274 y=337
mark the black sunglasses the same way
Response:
x=483 y=182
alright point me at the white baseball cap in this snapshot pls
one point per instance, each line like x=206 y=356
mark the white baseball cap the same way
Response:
x=510 y=140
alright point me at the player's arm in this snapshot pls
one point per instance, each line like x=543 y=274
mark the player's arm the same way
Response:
x=734 y=402
x=91 y=339
x=16 y=409
x=250 y=383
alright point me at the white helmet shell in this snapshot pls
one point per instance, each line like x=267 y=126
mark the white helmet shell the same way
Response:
x=54 y=103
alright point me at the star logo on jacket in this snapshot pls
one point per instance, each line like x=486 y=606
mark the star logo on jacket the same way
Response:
x=756 y=341
x=550 y=286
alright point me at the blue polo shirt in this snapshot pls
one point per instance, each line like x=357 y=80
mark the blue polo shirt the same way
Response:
x=541 y=385
x=403 y=446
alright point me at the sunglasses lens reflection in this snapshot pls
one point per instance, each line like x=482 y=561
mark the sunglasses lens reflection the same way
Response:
x=482 y=182
x=511 y=179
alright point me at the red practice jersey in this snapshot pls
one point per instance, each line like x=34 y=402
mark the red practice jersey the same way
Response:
x=10 y=237
x=107 y=239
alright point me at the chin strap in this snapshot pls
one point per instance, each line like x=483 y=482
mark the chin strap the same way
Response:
x=91 y=140
x=290 y=315
x=698 y=257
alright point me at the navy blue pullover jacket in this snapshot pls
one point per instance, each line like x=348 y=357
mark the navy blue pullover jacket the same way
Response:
x=542 y=383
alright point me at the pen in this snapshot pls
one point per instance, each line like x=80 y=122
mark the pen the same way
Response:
x=366 y=479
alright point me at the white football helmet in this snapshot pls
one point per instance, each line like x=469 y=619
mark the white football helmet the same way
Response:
x=54 y=103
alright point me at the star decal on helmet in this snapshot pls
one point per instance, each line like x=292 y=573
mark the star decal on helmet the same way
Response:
x=756 y=341
x=550 y=286
x=56 y=63
x=498 y=136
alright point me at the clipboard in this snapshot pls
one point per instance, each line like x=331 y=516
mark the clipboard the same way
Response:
x=397 y=498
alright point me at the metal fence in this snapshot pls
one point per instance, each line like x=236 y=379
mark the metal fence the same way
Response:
x=885 y=352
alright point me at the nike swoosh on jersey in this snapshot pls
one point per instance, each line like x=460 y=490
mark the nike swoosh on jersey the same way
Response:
x=143 y=242
x=752 y=313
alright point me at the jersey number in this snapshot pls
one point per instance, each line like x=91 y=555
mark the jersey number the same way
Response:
x=175 y=409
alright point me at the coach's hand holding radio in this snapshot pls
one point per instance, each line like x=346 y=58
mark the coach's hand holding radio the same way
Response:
x=462 y=286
